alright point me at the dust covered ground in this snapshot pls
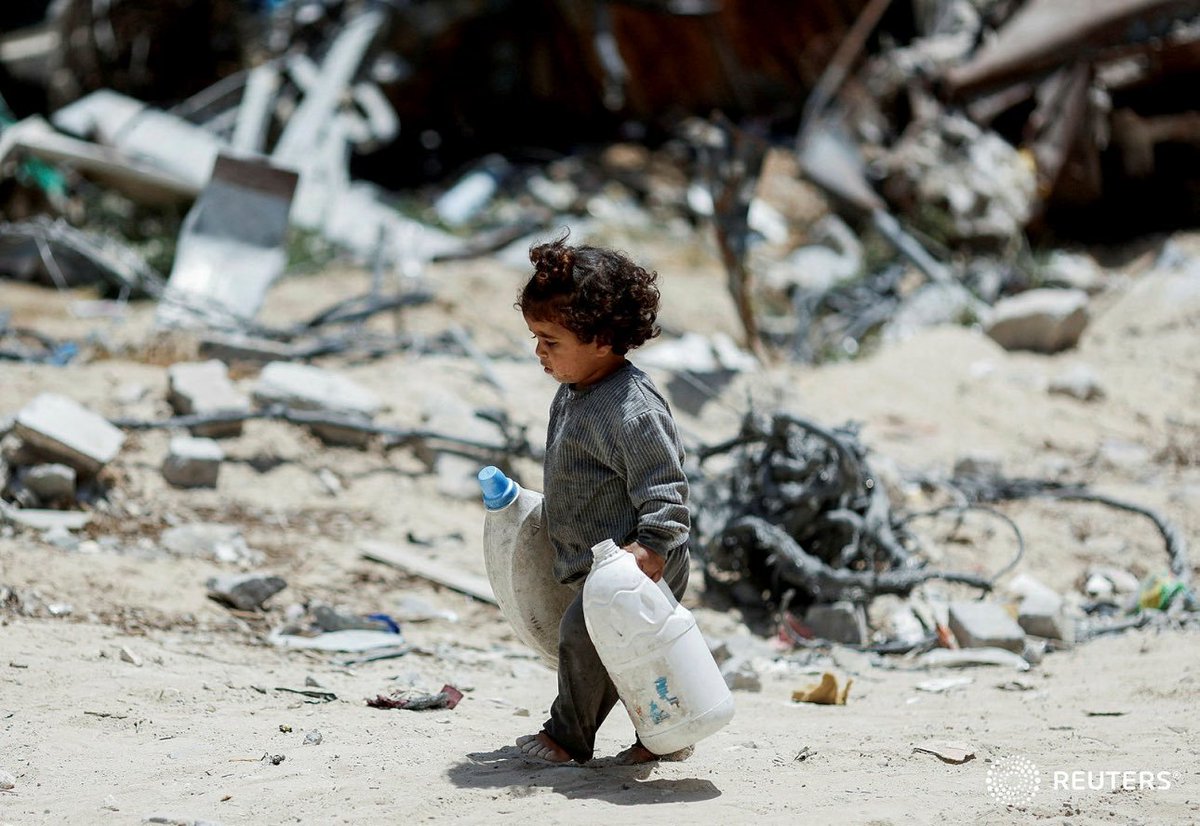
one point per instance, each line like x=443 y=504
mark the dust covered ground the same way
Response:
x=186 y=724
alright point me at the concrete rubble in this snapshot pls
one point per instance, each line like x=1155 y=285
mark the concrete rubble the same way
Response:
x=203 y=389
x=60 y=427
x=193 y=462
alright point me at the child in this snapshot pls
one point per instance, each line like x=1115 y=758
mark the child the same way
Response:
x=613 y=466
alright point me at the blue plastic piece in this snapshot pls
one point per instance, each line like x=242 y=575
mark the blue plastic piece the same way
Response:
x=391 y=624
x=498 y=489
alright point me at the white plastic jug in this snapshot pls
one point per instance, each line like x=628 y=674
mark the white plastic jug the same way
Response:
x=654 y=652
x=519 y=560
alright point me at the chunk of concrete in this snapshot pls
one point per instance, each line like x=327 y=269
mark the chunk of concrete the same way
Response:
x=50 y=483
x=985 y=625
x=63 y=428
x=203 y=388
x=246 y=592
x=304 y=387
x=1045 y=321
x=740 y=675
x=193 y=463
x=842 y=622
x=1041 y=614
x=45 y=520
x=1078 y=382
x=209 y=540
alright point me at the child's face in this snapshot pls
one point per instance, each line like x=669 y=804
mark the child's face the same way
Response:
x=569 y=360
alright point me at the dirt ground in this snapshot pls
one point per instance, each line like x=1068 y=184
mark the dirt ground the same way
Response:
x=188 y=723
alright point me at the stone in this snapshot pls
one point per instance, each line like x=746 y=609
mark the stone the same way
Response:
x=305 y=387
x=1045 y=321
x=1041 y=614
x=50 y=483
x=312 y=738
x=842 y=622
x=7 y=781
x=1078 y=382
x=203 y=388
x=209 y=540
x=246 y=592
x=740 y=675
x=985 y=625
x=1073 y=270
x=67 y=430
x=193 y=463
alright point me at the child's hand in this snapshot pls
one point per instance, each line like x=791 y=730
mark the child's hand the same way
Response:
x=651 y=563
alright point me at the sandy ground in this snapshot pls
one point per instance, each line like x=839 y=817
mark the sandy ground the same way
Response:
x=189 y=728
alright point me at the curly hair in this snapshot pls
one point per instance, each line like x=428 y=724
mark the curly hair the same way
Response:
x=598 y=294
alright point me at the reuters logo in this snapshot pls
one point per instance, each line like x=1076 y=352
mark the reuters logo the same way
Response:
x=1013 y=781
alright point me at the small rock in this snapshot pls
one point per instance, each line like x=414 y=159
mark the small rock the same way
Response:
x=110 y=804
x=1078 y=382
x=1044 y=321
x=51 y=483
x=210 y=540
x=246 y=592
x=203 y=388
x=312 y=738
x=130 y=657
x=740 y=675
x=193 y=463
x=7 y=781
x=843 y=622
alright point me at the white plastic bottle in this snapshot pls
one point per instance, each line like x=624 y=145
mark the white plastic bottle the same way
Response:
x=519 y=560
x=654 y=652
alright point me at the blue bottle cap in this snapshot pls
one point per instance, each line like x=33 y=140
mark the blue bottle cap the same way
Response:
x=498 y=489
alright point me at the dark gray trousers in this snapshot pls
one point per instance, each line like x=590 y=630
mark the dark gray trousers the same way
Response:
x=585 y=692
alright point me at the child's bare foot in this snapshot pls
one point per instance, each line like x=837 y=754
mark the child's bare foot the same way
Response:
x=540 y=746
x=637 y=753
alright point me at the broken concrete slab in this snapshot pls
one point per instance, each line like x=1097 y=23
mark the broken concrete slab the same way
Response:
x=305 y=387
x=985 y=625
x=204 y=388
x=1045 y=321
x=44 y=520
x=63 y=428
x=246 y=592
x=235 y=348
x=193 y=462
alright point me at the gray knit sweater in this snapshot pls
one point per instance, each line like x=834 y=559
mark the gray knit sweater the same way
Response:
x=613 y=470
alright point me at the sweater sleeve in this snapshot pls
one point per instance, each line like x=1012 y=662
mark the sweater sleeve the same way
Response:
x=649 y=453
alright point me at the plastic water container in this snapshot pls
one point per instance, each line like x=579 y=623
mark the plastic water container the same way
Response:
x=654 y=652
x=519 y=560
